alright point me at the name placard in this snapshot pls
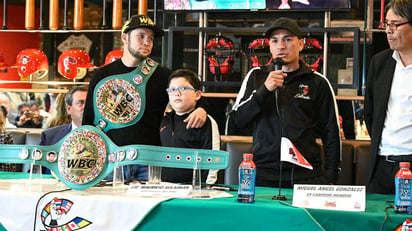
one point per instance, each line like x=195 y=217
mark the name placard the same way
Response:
x=159 y=190
x=332 y=197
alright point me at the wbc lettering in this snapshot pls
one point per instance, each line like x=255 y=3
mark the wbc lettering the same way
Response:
x=81 y=163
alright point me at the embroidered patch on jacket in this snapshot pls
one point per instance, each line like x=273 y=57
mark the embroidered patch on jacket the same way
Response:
x=303 y=92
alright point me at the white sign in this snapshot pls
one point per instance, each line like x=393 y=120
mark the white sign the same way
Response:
x=332 y=197
x=160 y=190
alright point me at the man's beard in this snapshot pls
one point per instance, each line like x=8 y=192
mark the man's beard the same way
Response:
x=136 y=53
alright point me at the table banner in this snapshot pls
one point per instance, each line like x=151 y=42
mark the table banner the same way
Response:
x=98 y=208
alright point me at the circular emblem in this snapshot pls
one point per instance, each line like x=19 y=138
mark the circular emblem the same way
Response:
x=24 y=153
x=138 y=79
x=82 y=156
x=37 y=154
x=121 y=155
x=101 y=123
x=112 y=157
x=51 y=156
x=118 y=101
x=131 y=154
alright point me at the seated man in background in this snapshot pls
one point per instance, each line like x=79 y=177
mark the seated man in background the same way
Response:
x=29 y=116
x=74 y=101
x=184 y=92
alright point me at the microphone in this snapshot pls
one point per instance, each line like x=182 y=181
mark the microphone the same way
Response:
x=277 y=65
x=278 y=62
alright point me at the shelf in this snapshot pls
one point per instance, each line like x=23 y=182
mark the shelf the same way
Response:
x=219 y=95
x=31 y=90
x=40 y=90
x=45 y=82
x=176 y=51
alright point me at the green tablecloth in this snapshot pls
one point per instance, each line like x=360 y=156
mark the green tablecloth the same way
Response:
x=266 y=214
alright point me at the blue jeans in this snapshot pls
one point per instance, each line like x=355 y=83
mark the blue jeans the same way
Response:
x=132 y=172
x=136 y=171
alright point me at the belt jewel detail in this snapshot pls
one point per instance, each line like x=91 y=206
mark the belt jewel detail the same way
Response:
x=121 y=155
x=131 y=154
x=150 y=62
x=37 y=154
x=138 y=79
x=145 y=69
x=51 y=156
x=24 y=154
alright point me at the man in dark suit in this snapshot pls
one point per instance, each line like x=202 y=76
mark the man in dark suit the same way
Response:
x=74 y=100
x=387 y=100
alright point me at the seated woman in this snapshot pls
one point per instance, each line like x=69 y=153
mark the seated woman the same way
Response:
x=6 y=138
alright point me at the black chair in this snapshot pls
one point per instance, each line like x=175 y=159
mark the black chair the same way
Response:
x=33 y=138
x=236 y=150
x=19 y=137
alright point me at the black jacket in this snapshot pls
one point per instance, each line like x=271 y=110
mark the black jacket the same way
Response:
x=378 y=88
x=304 y=110
x=173 y=133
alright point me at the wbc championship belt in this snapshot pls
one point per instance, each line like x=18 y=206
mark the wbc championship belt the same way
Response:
x=86 y=156
x=120 y=99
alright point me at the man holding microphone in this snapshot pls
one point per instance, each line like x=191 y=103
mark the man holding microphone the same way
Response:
x=288 y=99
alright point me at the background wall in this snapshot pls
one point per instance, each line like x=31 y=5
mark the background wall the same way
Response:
x=11 y=43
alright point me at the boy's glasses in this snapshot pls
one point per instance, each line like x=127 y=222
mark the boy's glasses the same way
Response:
x=181 y=90
x=392 y=26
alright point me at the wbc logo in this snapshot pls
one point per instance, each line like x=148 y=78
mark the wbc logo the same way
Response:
x=82 y=157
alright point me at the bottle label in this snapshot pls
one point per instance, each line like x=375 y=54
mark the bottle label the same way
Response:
x=247 y=177
x=403 y=192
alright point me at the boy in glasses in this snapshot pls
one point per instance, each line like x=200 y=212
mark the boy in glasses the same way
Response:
x=184 y=92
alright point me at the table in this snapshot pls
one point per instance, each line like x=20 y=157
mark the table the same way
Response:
x=228 y=214
x=266 y=214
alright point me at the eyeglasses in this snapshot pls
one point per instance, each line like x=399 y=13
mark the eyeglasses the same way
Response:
x=393 y=26
x=181 y=90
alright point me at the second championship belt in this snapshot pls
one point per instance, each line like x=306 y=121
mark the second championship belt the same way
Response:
x=120 y=99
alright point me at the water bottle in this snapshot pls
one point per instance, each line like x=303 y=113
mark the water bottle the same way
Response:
x=403 y=197
x=247 y=177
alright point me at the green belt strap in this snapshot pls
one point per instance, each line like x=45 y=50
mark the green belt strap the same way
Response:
x=86 y=156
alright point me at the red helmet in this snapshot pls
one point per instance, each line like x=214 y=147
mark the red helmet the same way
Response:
x=259 y=43
x=113 y=56
x=32 y=62
x=223 y=68
x=73 y=63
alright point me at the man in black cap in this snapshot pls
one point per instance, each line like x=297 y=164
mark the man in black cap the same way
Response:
x=288 y=101
x=133 y=115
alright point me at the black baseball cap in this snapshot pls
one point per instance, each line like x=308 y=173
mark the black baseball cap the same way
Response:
x=142 y=21
x=284 y=23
